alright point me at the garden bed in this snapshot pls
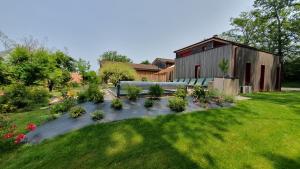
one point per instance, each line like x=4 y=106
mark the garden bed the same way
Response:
x=131 y=109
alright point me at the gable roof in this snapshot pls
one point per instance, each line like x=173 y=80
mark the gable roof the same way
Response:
x=216 y=38
x=146 y=67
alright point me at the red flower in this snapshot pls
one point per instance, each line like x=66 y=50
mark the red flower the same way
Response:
x=19 y=138
x=8 y=135
x=31 y=127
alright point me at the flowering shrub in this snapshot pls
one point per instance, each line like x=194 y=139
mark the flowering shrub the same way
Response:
x=9 y=135
x=31 y=127
x=19 y=138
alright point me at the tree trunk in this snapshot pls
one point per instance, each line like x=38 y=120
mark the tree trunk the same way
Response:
x=50 y=85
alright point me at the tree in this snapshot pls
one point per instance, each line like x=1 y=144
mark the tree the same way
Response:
x=28 y=67
x=4 y=73
x=83 y=67
x=273 y=25
x=113 y=56
x=145 y=62
x=224 y=66
x=114 y=72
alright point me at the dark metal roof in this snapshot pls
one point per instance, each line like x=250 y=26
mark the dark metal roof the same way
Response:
x=215 y=38
x=164 y=60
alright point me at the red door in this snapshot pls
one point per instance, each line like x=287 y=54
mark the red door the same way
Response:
x=248 y=74
x=197 y=71
x=262 y=78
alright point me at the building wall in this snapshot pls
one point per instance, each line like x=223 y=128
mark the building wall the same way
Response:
x=257 y=58
x=208 y=61
x=151 y=76
x=238 y=57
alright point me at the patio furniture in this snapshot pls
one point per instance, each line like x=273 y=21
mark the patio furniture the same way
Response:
x=181 y=80
x=207 y=80
x=200 y=81
x=192 y=82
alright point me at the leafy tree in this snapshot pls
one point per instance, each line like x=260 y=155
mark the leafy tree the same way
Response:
x=113 y=56
x=83 y=69
x=273 y=25
x=63 y=61
x=224 y=66
x=4 y=73
x=145 y=62
x=28 y=67
x=115 y=71
x=292 y=69
x=92 y=77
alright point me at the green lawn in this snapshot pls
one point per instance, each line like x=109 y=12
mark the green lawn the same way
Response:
x=263 y=132
x=37 y=116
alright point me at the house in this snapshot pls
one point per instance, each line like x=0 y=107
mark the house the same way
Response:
x=167 y=74
x=159 y=70
x=163 y=63
x=146 y=71
x=252 y=67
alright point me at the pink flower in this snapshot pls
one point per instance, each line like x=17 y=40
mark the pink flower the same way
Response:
x=31 y=127
x=19 y=138
x=8 y=135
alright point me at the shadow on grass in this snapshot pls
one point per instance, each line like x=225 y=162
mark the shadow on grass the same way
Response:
x=281 y=162
x=134 y=143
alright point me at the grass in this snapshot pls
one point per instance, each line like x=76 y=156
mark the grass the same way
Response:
x=262 y=133
x=37 y=116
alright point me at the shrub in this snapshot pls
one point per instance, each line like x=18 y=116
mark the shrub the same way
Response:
x=20 y=96
x=198 y=92
x=17 y=94
x=39 y=95
x=144 y=79
x=219 y=100
x=133 y=92
x=7 y=108
x=229 y=99
x=156 y=91
x=76 y=111
x=213 y=93
x=94 y=94
x=91 y=94
x=64 y=92
x=181 y=92
x=82 y=97
x=148 y=103
x=116 y=71
x=116 y=104
x=63 y=106
x=97 y=115
x=98 y=97
x=177 y=104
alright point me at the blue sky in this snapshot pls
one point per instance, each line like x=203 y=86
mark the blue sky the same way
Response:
x=139 y=29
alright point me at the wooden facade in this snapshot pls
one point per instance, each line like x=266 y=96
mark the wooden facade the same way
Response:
x=252 y=67
x=151 y=76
